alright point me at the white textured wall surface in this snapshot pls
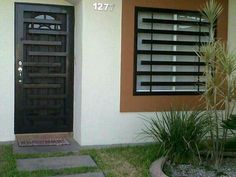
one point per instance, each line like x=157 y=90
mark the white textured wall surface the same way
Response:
x=6 y=71
x=7 y=64
x=97 y=118
x=232 y=25
x=101 y=120
x=78 y=70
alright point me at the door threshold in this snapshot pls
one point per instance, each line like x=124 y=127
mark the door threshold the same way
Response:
x=43 y=139
x=38 y=135
x=73 y=147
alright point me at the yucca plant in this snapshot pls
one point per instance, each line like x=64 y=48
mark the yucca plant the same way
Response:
x=220 y=72
x=211 y=11
x=178 y=132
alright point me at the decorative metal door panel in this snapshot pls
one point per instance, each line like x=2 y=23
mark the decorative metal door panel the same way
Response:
x=44 y=51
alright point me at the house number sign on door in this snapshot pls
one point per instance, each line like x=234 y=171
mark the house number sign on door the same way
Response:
x=103 y=6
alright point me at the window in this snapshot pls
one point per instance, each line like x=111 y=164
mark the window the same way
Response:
x=45 y=22
x=157 y=47
x=166 y=42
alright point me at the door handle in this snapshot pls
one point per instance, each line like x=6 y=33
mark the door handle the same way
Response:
x=20 y=70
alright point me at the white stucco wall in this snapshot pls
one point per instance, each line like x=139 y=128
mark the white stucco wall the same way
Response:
x=78 y=70
x=232 y=25
x=97 y=118
x=101 y=120
x=6 y=71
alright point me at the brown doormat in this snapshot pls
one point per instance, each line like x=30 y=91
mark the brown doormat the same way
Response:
x=28 y=142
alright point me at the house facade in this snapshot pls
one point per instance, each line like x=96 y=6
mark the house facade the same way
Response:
x=89 y=67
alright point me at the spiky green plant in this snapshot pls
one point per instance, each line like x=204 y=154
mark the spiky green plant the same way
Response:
x=220 y=72
x=178 y=132
x=211 y=11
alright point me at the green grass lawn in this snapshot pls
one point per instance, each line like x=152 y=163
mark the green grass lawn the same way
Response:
x=114 y=162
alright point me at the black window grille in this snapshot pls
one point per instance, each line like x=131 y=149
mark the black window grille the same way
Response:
x=166 y=42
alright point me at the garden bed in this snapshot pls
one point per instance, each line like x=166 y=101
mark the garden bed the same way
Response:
x=227 y=169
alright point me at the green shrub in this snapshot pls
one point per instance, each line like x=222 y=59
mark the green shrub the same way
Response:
x=178 y=132
x=220 y=87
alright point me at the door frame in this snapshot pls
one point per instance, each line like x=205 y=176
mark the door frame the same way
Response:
x=18 y=25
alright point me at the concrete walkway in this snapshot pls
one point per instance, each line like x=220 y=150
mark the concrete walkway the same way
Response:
x=55 y=163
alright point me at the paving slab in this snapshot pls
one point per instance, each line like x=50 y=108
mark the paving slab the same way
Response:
x=55 y=163
x=73 y=147
x=96 y=174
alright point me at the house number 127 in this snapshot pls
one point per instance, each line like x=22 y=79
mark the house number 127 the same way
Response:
x=103 y=6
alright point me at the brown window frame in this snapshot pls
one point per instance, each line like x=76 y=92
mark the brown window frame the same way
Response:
x=129 y=102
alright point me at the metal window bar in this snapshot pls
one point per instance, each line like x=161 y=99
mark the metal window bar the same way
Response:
x=151 y=66
x=199 y=46
x=196 y=85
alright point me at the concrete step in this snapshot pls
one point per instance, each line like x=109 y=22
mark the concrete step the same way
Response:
x=96 y=174
x=55 y=163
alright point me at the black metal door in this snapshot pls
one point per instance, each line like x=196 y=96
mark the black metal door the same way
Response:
x=44 y=51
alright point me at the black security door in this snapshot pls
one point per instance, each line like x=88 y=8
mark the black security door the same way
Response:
x=44 y=51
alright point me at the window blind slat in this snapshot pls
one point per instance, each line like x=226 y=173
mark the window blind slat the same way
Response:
x=165 y=73
x=166 y=42
x=181 y=63
x=172 y=83
x=192 y=33
x=179 y=22
x=166 y=52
